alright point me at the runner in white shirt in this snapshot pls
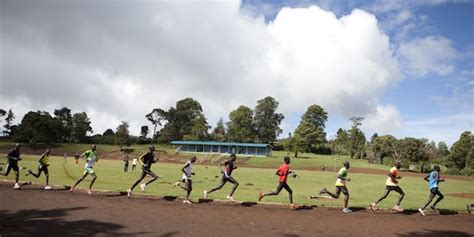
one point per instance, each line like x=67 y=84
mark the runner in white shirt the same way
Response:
x=187 y=172
x=134 y=164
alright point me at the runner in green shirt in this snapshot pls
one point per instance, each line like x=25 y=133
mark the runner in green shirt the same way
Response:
x=341 y=186
x=91 y=157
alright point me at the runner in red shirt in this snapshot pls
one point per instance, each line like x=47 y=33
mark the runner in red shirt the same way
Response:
x=283 y=173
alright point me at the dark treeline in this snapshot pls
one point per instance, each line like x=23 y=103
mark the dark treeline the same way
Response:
x=186 y=121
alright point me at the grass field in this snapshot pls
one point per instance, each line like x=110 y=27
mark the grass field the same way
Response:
x=364 y=188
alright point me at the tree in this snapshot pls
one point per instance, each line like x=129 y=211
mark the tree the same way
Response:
x=155 y=117
x=374 y=136
x=412 y=150
x=356 y=138
x=81 y=124
x=38 y=127
x=200 y=129
x=144 y=131
x=182 y=119
x=2 y=112
x=64 y=116
x=295 y=144
x=443 y=148
x=342 y=142
x=122 y=134
x=462 y=152
x=8 y=123
x=108 y=132
x=219 y=133
x=384 y=146
x=240 y=125
x=266 y=120
x=311 y=128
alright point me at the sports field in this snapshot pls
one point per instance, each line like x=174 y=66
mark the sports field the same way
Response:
x=364 y=188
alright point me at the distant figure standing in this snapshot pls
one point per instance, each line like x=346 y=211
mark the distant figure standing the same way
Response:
x=12 y=163
x=134 y=164
x=125 y=159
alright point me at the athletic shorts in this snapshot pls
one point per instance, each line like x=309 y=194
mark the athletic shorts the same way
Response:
x=12 y=164
x=394 y=188
x=88 y=170
x=43 y=168
x=342 y=189
x=146 y=171
x=435 y=191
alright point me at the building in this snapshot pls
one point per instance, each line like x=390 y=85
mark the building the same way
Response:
x=242 y=149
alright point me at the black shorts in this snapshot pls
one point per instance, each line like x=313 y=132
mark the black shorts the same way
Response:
x=12 y=164
x=342 y=189
x=435 y=191
x=228 y=179
x=394 y=188
x=43 y=168
x=147 y=171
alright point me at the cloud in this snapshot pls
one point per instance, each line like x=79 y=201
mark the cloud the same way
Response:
x=429 y=55
x=119 y=60
x=386 y=119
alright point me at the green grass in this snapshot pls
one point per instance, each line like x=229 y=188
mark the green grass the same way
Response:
x=364 y=188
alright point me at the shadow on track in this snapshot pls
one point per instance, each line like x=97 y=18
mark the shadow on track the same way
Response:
x=430 y=233
x=33 y=222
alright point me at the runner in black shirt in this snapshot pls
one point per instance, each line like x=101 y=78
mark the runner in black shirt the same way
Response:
x=12 y=163
x=147 y=160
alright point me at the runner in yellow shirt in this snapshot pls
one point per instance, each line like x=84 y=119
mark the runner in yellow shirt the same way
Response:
x=43 y=167
x=391 y=185
x=341 y=186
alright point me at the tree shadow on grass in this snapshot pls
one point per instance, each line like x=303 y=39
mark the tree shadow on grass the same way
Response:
x=33 y=222
x=430 y=233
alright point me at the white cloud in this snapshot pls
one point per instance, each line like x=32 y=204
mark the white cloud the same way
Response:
x=90 y=58
x=386 y=119
x=428 y=55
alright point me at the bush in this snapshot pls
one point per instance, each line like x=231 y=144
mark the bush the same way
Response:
x=390 y=161
x=453 y=171
x=467 y=172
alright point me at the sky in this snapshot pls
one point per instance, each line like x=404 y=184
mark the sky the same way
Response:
x=407 y=67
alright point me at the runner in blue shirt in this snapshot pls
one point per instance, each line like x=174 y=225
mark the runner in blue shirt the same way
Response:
x=433 y=179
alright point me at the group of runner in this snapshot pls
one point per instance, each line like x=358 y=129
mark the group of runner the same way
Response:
x=227 y=167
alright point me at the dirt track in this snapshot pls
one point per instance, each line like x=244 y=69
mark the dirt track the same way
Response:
x=33 y=211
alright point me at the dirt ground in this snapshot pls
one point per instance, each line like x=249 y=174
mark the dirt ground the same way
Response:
x=33 y=211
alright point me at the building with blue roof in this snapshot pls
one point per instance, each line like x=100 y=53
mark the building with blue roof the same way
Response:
x=242 y=149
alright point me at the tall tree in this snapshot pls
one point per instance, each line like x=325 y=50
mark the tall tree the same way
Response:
x=356 y=138
x=38 y=127
x=462 y=151
x=8 y=123
x=443 y=148
x=295 y=144
x=64 y=116
x=240 y=125
x=413 y=150
x=182 y=119
x=2 y=113
x=384 y=146
x=122 y=134
x=311 y=128
x=109 y=132
x=81 y=125
x=156 y=116
x=219 y=133
x=342 y=142
x=266 y=120
x=144 y=131
x=200 y=129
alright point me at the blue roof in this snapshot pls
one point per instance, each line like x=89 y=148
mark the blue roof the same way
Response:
x=220 y=143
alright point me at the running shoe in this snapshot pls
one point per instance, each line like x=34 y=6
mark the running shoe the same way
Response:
x=469 y=209
x=397 y=208
x=71 y=189
x=16 y=186
x=89 y=191
x=28 y=173
x=205 y=194
x=129 y=192
x=186 y=202
x=293 y=206
x=260 y=196
x=373 y=206
x=323 y=191
x=230 y=198
x=421 y=212
x=347 y=210
x=142 y=187
x=433 y=208
x=47 y=187
x=175 y=184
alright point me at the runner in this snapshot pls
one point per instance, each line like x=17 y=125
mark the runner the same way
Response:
x=134 y=164
x=283 y=173
x=226 y=177
x=91 y=157
x=43 y=167
x=187 y=172
x=341 y=187
x=146 y=160
x=12 y=163
x=433 y=179
x=391 y=185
